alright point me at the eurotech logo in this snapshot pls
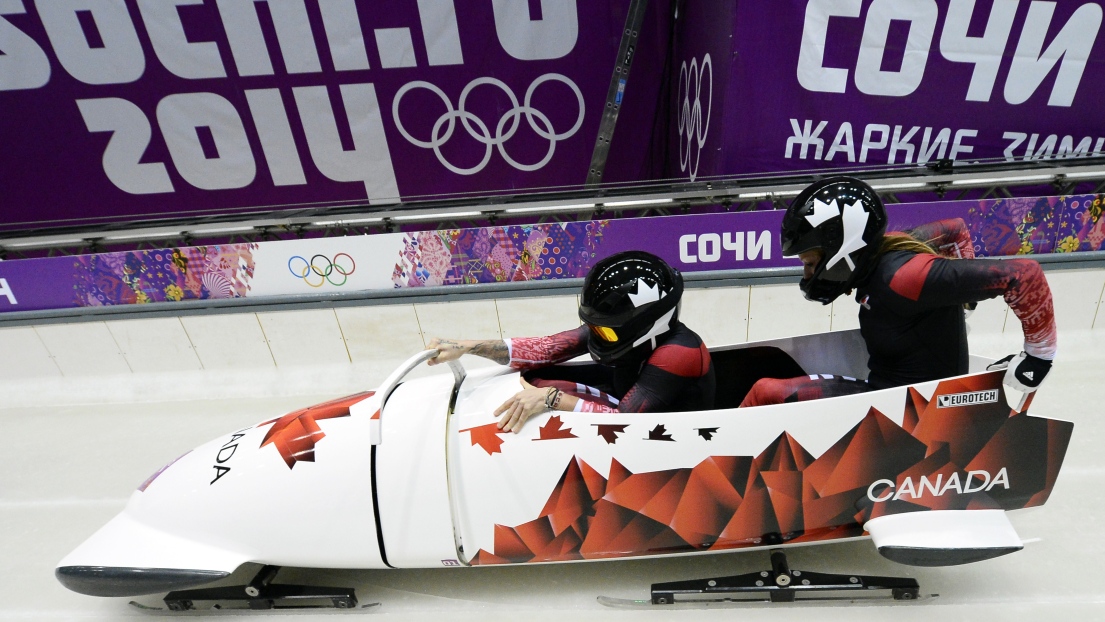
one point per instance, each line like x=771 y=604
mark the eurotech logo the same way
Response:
x=967 y=399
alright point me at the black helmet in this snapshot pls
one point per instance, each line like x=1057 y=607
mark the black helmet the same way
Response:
x=628 y=300
x=844 y=218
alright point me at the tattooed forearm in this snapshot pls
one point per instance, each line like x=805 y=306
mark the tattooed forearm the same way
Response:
x=494 y=350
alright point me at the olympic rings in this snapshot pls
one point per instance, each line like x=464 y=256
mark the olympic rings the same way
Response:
x=505 y=129
x=323 y=273
x=690 y=114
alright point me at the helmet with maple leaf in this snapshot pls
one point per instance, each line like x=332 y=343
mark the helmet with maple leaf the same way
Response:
x=846 y=220
x=628 y=300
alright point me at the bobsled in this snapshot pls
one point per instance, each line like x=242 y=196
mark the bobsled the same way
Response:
x=416 y=474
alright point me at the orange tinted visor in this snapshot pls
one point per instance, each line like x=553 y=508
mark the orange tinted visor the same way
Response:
x=604 y=332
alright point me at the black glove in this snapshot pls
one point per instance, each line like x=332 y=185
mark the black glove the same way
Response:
x=1024 y=372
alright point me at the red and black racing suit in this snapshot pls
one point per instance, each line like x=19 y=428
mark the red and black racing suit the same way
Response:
x=676 y=376
x=912 y=320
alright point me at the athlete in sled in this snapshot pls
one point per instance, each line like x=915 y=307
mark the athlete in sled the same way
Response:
x=423 y=473
x=911 y=299
x=647 y=360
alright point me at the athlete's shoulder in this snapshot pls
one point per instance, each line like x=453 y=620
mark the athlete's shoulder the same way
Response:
x=682 y=353
x=888 y=269
x=910 y=276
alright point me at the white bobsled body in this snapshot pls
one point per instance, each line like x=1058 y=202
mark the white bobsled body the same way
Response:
x=430 y=481
x=293 y=491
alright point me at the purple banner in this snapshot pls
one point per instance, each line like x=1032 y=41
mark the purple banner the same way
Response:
x=810 y=84
x=499 y=254
x=121 y=108
x=549 y=251
x=33 y=284
x=131 y=277
x=703 y=242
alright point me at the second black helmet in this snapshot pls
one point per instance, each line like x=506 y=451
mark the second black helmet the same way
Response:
x=846 y=220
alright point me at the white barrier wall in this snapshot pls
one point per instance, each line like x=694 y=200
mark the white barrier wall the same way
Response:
x=332 y=351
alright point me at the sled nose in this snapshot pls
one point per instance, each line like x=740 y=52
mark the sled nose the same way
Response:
x=129 y=558
x=115 y=581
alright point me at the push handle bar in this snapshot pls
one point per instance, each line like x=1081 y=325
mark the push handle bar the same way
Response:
x=393 y=381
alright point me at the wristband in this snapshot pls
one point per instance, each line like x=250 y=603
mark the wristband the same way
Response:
x=551 y=396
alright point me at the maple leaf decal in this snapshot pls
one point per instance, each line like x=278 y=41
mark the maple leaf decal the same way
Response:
x=609 y=432
x=707 y=433
x=659 y=433
x=295 y=434
x=554 y=429
x=487 y=437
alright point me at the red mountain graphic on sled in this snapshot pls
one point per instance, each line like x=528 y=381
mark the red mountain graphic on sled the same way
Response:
x=785 y=495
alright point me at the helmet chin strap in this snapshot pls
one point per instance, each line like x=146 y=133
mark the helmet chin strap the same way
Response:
x=660 y=327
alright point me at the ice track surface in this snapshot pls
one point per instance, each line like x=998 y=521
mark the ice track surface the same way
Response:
x=66 y=470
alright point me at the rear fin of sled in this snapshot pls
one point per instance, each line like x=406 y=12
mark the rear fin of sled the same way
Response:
x=944 y=537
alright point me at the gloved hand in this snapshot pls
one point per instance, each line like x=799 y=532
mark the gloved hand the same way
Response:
x=1024 y=372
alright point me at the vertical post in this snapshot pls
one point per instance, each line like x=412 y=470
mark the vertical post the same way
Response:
x=616 y=92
